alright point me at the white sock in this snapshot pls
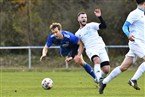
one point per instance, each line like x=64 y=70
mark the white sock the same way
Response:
x=97 y=71
x=139 y=72
x=115 y=72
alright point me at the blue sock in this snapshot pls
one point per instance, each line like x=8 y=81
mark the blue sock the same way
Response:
x=89 y=70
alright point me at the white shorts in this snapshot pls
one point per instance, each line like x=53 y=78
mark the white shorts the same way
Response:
x=137 y=49
x=102 y=53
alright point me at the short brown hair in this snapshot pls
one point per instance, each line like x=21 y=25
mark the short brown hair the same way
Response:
x=54 y=25
x=81 y=13
x=140 y=1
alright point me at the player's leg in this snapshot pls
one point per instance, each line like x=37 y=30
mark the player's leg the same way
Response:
x=96 y=60
x=92 y=53
x=137 y=75
x=140 y=52
x=105 y=67
x=127 y=62
x=105 y=64
x=115 y=72
x=85 y=65
x=139 y=72
x=72 y=53
x=87 y=68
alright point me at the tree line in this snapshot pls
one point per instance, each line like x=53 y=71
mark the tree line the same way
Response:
x=26 y=22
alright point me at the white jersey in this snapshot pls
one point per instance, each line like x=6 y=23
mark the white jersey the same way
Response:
x=90 y=37
x=137 y=27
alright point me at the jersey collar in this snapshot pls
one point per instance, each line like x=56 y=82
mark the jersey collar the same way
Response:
x=141 y=9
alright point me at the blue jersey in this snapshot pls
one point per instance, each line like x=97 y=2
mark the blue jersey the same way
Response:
x=68 y=45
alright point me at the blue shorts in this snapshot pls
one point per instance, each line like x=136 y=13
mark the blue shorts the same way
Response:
x=71 y=52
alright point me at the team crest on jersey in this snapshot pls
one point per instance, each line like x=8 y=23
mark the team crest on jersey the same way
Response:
x=67 y=36
x=65 y=44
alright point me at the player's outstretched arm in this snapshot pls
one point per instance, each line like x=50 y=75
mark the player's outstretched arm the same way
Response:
x=98 y=14
x=80 y=51
x=81 y=47
x=44 y=53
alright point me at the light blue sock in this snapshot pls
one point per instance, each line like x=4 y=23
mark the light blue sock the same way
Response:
x=89 y=70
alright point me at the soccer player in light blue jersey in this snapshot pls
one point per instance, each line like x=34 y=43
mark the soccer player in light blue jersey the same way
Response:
x=134 y=28
x=69 y=45
x=93 y=43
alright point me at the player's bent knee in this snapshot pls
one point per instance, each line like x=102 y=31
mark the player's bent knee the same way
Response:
x=105 y=63
x=105 y=66
x=95 y=59
x=106 y=69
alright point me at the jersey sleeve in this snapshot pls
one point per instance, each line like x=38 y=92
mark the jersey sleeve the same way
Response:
x=125 y=28
x=132 y=17
x=94 y=25
x=77 y=34
x=74 y=39
x=49 y=41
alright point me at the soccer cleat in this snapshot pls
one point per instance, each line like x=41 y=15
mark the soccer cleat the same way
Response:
x=100 y=81
x=102 y=87
x=133 y=83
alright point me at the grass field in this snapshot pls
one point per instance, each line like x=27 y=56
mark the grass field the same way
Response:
x=67 y=83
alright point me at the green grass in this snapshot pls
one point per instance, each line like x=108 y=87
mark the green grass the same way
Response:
x=67 y=83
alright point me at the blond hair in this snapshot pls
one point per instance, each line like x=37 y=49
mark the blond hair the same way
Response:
x=54 y=25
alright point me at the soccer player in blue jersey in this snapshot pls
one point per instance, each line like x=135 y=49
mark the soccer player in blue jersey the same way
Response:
x=69 y=45
x=134 y=28
x=93 y=43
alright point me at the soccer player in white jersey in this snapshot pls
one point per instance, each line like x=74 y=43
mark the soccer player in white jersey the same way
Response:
x=69 y=45
x=93 y=43
x=134 y=28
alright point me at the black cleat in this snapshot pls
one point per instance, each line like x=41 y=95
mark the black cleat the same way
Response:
x=133 y=83
x=102 y=87
x=100 y=81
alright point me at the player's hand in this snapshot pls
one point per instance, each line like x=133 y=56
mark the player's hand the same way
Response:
x=77 y=58
x=42 y=57
x=97 y=12
x=67 y=59
x=131 y=38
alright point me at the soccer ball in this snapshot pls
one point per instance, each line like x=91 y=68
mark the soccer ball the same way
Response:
x=47 y=83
